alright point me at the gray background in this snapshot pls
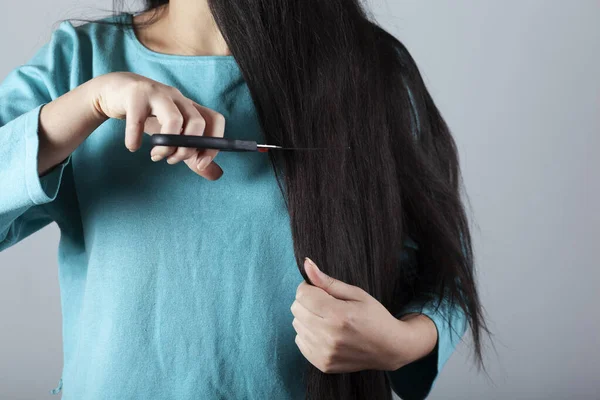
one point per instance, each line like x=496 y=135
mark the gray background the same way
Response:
x=519 y=84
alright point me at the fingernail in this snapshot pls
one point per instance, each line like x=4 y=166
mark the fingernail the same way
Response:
x=321 y=273
x=171 y=160
x=204 y=161
x=156 y=157
x=308 y=260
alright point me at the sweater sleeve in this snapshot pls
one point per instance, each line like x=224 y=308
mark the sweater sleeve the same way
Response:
x=23 y=93
x=417 y=379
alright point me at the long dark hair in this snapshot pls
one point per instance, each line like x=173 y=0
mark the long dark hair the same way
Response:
x=324 y=74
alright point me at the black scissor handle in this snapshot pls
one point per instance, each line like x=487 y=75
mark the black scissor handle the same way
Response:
x=202 y=142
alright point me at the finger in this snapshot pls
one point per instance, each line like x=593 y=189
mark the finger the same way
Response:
x=136 y=113
x=152 y=126
x=171 y=122
x=305 y=349
x=193 y=126
x=197 y=163
x=315 y=300
x=305 y=333
x=215 y=127
x=204 y=164
x=336 y=288
x=307 y=317
x=212 y=172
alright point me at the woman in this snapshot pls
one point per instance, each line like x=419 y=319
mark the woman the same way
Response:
x=179 y=279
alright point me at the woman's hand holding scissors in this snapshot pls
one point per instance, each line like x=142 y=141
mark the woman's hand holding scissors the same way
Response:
x=152 y=107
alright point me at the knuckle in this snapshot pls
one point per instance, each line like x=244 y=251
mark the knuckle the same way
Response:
x=339 y=323
x=332 y=344
x=361 y=292
x=174 y=91
x=135 y=86
x=220 y=120
x=132 y=100
x=184 y=152
x=189 y=103
x=175 y=119
x=336 y=345
x=299 y=292
x=136 y=119
x=197 y=122
x=330 y=283
x=328 y=369
x=346 y=320
x=164 y=151
x=327 y=364
x=190 y=153
x=201 y=121
x=149 y=86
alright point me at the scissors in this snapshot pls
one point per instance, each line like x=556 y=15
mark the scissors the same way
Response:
x=222 y=144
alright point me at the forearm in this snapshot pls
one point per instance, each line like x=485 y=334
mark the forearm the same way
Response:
x=65 y=123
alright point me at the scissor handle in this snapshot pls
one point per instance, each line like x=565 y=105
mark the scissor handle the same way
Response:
x=203 y=142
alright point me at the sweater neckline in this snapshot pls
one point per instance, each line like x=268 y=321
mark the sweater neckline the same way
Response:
x=130 y=33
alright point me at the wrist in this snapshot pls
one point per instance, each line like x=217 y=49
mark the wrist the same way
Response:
x=93 y=89
x=50 y=152
x=418 y=339
x=423 y=333
x=64 y=123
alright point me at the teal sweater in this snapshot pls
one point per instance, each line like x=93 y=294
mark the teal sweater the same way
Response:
x=171 y=286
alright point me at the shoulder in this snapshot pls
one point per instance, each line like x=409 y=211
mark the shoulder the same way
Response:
x=91 y=35
x=77 y=52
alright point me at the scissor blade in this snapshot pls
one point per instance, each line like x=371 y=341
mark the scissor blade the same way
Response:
x=274 y=147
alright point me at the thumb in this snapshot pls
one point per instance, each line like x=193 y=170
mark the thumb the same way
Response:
x=336 y=288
